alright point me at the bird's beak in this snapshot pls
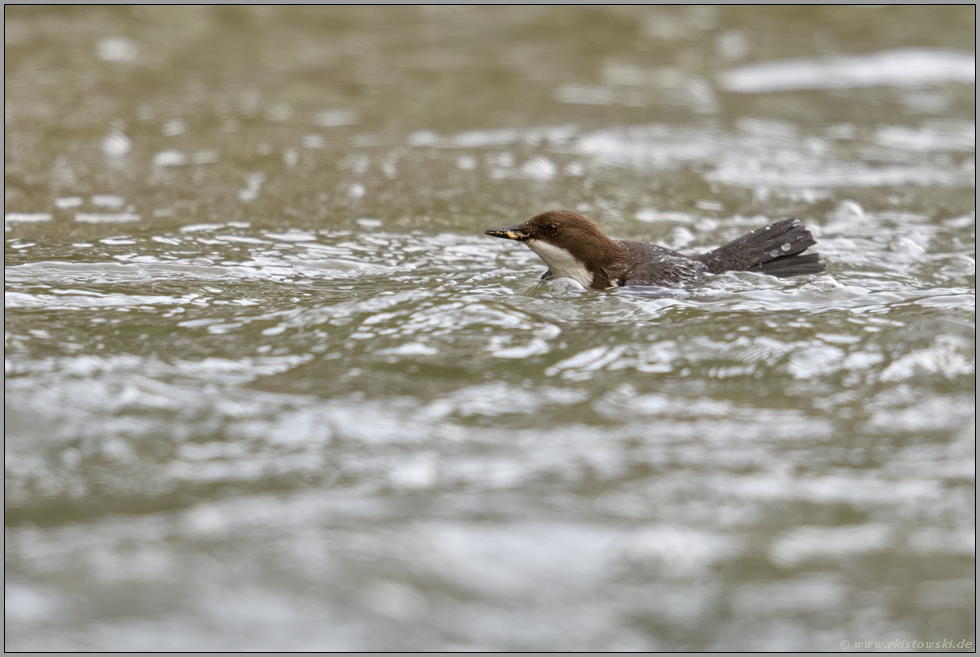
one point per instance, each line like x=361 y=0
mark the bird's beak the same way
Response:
x=512 y=233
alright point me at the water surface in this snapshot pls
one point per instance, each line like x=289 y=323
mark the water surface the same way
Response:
x=268 y=386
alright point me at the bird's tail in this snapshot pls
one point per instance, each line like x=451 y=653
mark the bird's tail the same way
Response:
x=776 y=249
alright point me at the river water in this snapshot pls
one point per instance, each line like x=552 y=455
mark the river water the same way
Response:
x=269 y=387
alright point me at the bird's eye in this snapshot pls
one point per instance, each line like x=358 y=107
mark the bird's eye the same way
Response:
x=552 y=227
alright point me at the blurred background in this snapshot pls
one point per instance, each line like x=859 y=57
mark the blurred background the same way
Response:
x=268 y=386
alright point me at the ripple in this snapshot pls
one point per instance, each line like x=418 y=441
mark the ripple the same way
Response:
x=825 y=543
x=903 y=67
x=88 y=300
x=107 y=217
x=771 y=154
x=26 y=217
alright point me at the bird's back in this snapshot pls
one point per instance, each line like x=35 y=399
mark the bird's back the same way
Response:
x=649 y=264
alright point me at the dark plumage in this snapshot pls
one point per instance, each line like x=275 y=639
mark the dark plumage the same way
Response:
x=573 y=247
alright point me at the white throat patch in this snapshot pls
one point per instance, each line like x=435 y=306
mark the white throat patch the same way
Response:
x=561 y=263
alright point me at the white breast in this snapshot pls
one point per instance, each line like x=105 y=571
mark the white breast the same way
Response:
x=561 y=263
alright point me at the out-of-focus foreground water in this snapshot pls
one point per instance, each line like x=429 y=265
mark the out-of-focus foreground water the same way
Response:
x=268 y=385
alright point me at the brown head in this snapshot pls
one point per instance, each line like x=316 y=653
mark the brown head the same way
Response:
x=571 y=245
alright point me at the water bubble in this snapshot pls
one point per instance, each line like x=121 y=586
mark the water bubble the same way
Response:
x=732 y=45
x=169 y=158
x=108 y=201
x=313 y=140
x=117 y=49
x=539 y=168
x=681 y=237
x=336 y=118
x=62 y=174
x=207 y=156
x=107 y=218
x=281 y=112
x=713 y=206
x=26 y=217
x=68 y=202
x=174 y=127
x=253 y=183
x=423 y=138
x=848 y=209
x=116 y=143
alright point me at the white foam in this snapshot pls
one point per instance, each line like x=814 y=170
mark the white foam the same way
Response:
x=107 y=218
x=26 y=217
x=336 y=118
x=539 y=168
x=169 y=158
x=906 y=67
x=117 y=49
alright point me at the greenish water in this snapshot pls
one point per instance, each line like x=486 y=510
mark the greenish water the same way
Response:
x=268 y=385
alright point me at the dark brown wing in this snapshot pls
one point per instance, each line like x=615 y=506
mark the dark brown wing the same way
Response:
x=654 y=265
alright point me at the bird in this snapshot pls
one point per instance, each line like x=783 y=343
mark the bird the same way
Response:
x=573 y=247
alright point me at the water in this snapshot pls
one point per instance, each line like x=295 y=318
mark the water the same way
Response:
x=268 y=386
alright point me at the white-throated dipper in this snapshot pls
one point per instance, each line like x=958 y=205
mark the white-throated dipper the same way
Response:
x=573 y=247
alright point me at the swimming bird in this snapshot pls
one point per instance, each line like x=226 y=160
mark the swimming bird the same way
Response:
x=574 y=247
